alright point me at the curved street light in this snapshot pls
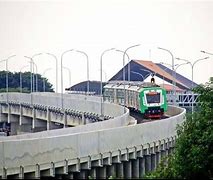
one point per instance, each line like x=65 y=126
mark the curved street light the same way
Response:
x=44 y=78
x=62 y=88
x=125 y=53
x=138 y=74
x=124 y=72
x=101 y=86
x=124 y=63
x=31 y=87
x=7 y=84
x=36 y=84
x=38 y=54
x=206 y=52
x=5 y=74
x=146 y=71
x=20 y=77
x=56 y=63
x=105 y=74
x=177 y=66
x=192 y=66
x=172 y=70
x=165 y=69
x=69 y=71
x=31 y=78
x=87 y=68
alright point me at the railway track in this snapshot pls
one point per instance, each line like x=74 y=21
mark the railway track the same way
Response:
x=140 y=119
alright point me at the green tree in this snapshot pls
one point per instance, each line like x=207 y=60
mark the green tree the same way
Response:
x=14 y=82
x=193 y=157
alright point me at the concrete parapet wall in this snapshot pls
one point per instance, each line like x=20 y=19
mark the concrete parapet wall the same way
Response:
x=70 y=101
x=52 y=151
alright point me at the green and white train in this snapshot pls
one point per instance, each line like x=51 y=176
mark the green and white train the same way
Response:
x=144 y=97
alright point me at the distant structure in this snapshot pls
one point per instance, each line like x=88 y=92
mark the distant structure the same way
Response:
x=145 y=68
x=81 y=88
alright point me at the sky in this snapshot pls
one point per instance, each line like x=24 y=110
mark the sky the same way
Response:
x=94 y=26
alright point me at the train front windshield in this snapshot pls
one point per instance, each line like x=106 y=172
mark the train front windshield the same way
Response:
x=153 y=97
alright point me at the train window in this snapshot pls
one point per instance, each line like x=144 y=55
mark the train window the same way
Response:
x=153 y=97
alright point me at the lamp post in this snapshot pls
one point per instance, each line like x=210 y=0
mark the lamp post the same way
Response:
x=138 y=74
x=87 y=68
x=69 y=74
x=146 y=71
x=5 y=75
x=101 y=87
x=192 y=66
x=34 y=64
x=31 y=87
x=206 y=52
x=44 y=79
x=56 y=63
x=125 y=53
x=62 y=88
x=172 y=69
x=21 y=77
x=38 y=54
x=31 y=60
x=7 y=85
x=128 y=62
x=166 y=68
x=124 y=72
x=105 y=75
x=177 y=66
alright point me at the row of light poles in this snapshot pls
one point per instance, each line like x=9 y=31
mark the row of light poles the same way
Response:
x=87 y=59
x=124 y=54
x=172 y=65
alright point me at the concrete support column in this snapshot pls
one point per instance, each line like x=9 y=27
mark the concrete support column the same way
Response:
x=70 y=176
x=162 y=153
x=37 y=171
x=101 y=174
x=147 y=163
x=21 y=114
x=25 y=127
x=21 y=173
x=159 y=157
x=9 y=113
x=4 y=173
x=65 y=119
x=111 y=171
x=153 y=161
x=167 y=151
x=82 y=174
x=120 y=170
x=33 y=118
x=127 y=169
x=141 y=167
x=83 y=119
x=14 y=128
x=52 y=169
x=48 y=119
x=157 y=154
x=92 y=173
x=135 y=168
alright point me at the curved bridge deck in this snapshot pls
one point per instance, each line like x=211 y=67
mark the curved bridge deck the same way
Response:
x=99 y=150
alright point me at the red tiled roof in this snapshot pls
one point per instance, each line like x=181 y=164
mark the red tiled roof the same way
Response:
x=153 y=67
x=169 y=87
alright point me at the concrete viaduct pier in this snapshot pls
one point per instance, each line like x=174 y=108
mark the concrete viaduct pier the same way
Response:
x=98 y=149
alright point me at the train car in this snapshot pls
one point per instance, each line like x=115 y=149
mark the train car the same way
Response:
x=147 y=98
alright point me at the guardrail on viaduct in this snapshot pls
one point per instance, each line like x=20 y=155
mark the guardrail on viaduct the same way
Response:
x=97 y=149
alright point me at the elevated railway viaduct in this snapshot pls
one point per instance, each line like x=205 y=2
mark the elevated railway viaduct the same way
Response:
x=77 y=142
